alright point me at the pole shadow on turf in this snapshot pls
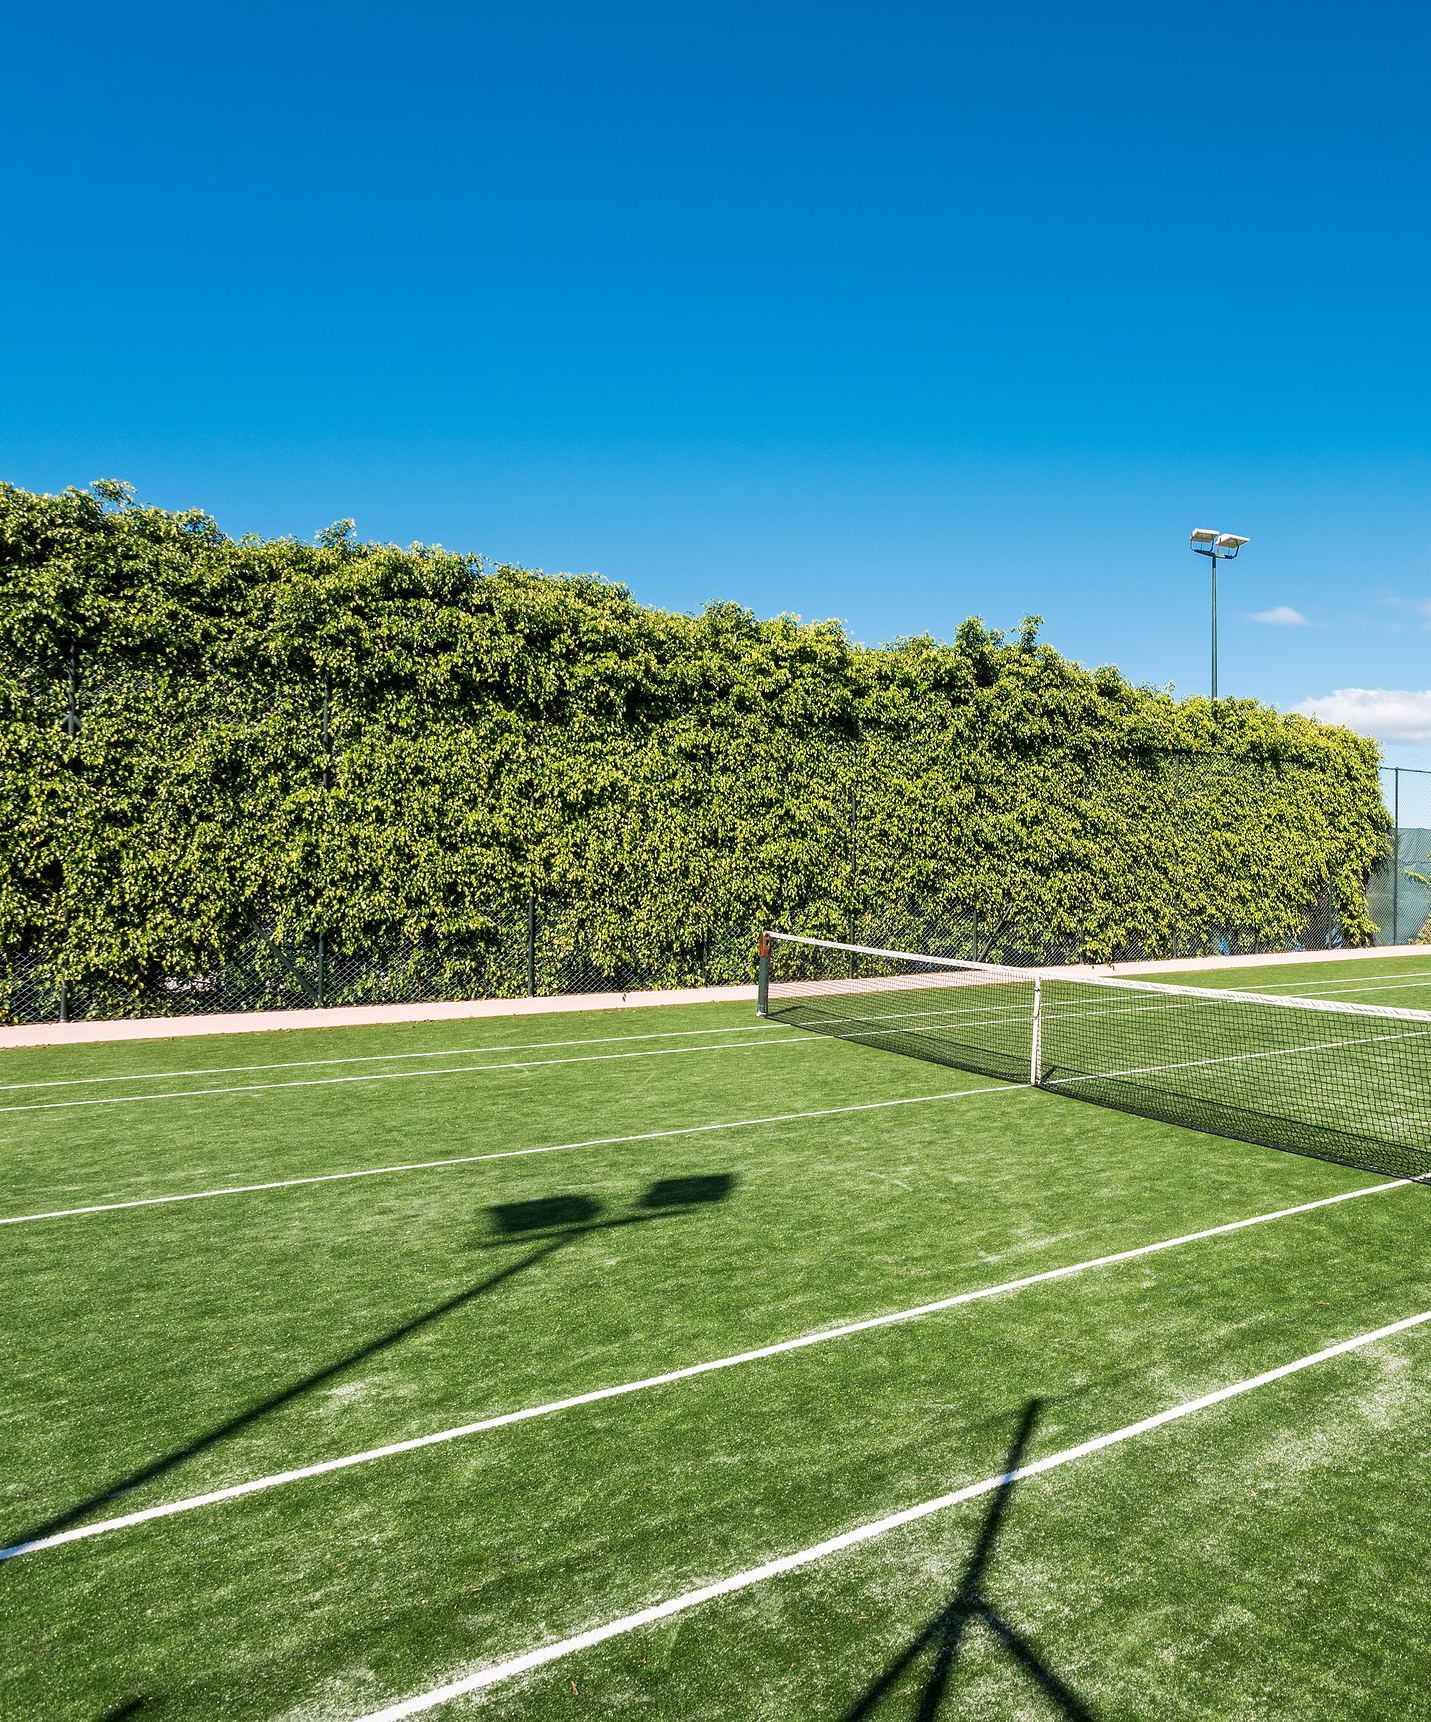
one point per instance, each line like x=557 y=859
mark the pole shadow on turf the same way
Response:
x=559 y=1220
x=945 y=1632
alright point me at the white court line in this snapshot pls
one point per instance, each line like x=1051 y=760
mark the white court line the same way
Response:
x=854 y=1031
x=1371 y=985
x=812 y=1039
x=1015 y=1013
x=505 y=1154
x=381 y=1057
x=444 y=1435
x=1074 y=1011
x=1184 y=999
x=514 y=1665
x=396 y=1075
x=1155 y=999
x=1228 y=1058
x=1250 y=996
x=601 y=1040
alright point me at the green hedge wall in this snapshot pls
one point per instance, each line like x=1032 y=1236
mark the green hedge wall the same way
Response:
x=492 y=732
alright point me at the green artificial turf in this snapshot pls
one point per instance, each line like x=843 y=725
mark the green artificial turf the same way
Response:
x=1261 y=1558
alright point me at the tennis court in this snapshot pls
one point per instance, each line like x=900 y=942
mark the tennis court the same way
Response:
x=681 y=1363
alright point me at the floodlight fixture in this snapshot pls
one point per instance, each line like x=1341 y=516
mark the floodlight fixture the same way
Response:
x=1218 y=547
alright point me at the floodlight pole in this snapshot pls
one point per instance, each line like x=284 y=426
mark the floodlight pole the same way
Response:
x=1212 y=547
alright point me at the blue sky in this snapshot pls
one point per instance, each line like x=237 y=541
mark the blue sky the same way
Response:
x=893 y=314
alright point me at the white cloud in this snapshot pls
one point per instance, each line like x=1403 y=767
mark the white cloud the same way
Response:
x=1388 y=714
x=1284 y=616
x=1417 y=606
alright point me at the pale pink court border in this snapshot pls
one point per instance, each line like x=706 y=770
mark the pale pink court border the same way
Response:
x=355 y=1016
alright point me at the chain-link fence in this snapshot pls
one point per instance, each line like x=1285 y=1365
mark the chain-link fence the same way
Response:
x=904 y=927
x=1158 y=857
x=546 y=948
x=540 y=948
x=1398 y=894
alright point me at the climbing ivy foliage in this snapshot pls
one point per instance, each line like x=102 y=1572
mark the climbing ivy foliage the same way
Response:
x=199 y=736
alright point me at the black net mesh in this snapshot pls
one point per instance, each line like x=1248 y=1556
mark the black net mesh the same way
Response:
x=1339 y=1081
x=1343 y=1082
x=971 y=1017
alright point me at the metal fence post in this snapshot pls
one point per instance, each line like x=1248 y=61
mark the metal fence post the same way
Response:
x=71 y=730
x=327 y=690
x=1177 y=842
x=710 y=810
x=531 y=947
x=1395 y=848
x=854 y=816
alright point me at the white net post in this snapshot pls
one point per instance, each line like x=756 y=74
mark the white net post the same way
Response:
x=1036 y=1036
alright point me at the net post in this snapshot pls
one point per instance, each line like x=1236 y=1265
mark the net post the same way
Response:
x=762 y=1003
x=1036 y=1036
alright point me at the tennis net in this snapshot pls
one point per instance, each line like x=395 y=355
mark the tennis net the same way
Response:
x=1343 y=1082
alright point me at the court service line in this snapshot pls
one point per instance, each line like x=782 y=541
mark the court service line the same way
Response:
x=395 y=1075
x=1059 y=1011
x=441 y=1436
x=515 y=1665
x=505 y=1154
x=1374 y=984
x=382 y=1057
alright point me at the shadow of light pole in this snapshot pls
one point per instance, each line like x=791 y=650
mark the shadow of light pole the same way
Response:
x=945 y=1633
x=572 y=1217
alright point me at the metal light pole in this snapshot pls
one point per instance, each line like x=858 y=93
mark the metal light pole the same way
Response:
x=1220 y=546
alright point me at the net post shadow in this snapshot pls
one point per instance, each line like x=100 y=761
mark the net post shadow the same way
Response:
x=945 y=1632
